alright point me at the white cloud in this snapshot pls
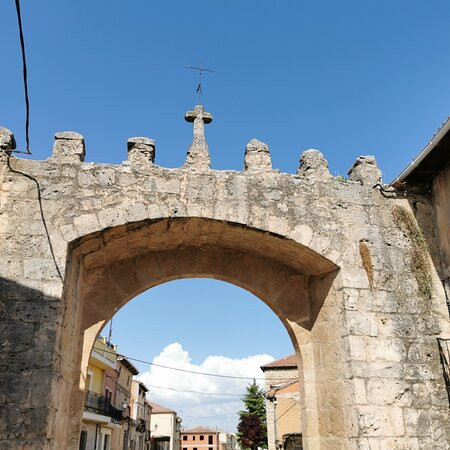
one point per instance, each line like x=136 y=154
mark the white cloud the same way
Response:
x=197 y=409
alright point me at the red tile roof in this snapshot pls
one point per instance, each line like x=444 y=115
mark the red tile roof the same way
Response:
x=289 y=362
x=158 y=409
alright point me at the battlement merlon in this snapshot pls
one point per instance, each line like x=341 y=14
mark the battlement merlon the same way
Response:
x=69 y=148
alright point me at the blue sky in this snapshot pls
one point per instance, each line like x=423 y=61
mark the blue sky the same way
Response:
x=348 y=78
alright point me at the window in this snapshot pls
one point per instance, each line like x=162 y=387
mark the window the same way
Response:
x=83 y=440
x=108 y=395
x=184 y=439
x=210 y=440
x=89 y=379
x=210 y=448
x=193 y=438
x=107 y=442
x=202 y=437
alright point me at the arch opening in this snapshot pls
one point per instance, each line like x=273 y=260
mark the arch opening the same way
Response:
x=200 y=325
x=107 y=269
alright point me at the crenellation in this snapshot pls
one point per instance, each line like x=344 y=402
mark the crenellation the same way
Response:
x=7 y=140
x=313 y=164
x=68 y=147
x=141 y=152
x=365 y=171
x=257 y=157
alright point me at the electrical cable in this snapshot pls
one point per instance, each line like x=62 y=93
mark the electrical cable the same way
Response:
x=41 y=210
x=183 y=370
x=290 y=407
x=208 y=417
x=235 y=377
x=25 y=81
x=194 y=392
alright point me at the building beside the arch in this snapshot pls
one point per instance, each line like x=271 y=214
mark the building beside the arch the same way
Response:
x=102 y=423
x=282 y=392
x=165 y=428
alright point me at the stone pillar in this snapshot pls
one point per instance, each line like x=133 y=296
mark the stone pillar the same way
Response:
x=141 y=151
x=365 y=170
x=257 y=156
x=68 y=147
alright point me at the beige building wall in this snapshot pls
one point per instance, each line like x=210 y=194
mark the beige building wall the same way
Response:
x=280 y=420
x=288 y=413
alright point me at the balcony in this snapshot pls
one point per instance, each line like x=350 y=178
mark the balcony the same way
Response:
x=140 y=427
x=100 y=404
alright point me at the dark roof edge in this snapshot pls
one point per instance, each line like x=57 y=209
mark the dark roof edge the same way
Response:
x=128 y=364
x=291 y=366
x=424 y=153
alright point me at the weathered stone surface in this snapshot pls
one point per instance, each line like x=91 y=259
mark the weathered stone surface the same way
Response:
x=257 y=156
x=369 y=368
x=68 y=147
x=313 y=164
x=365 y=170
x=198 y=152
x=141 y=151
x=7 y=141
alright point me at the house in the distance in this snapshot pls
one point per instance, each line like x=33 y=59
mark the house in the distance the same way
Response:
x=203 y=438
x=283 y=404
x=228 y=441
x=200 y=438
x=165 y=428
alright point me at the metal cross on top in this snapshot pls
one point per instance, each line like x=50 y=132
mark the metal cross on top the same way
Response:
x=200 y=71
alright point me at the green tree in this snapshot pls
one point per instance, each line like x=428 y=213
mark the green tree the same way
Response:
x=252 y=427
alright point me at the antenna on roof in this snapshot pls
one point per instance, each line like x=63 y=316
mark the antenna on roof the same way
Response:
x=110 y=331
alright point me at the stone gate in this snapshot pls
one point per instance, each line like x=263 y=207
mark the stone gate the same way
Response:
x=334 y=258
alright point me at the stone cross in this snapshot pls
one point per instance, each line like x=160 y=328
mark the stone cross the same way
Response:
x=198 y=152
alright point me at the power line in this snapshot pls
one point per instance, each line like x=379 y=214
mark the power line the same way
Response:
x=290 y=407
x=209 y=417
x=41 y=210
x=25 y=80
x=182 y=370
x=236 y=377
x=194 y=392
x=183 y=390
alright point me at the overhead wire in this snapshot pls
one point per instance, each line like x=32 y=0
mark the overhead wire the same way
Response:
x=290 y=407
x=208 y=417
x=193 y=392
x=185 y=370
x=25 y=81
x=236 y=377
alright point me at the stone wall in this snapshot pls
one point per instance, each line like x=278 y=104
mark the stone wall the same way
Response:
x=332 y=257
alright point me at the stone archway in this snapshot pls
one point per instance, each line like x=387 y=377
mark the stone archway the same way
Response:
x=290 y=278
x=337 y=272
